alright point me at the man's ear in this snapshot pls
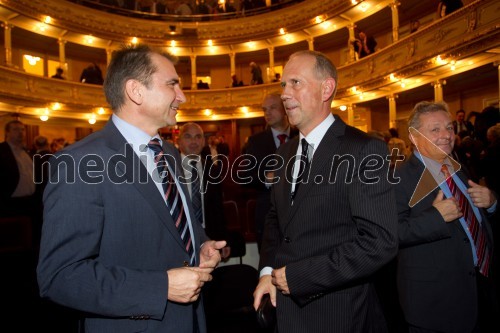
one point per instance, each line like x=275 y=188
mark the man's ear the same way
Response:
x=133 y=90
x=328 y=87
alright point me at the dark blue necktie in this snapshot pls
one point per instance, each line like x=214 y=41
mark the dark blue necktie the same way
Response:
x=173 y=198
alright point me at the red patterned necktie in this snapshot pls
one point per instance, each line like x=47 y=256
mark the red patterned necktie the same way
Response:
x=173 y=198
x=475 y=228
x=282 y=138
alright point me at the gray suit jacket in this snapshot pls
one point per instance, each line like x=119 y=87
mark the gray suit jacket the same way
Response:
x=108 y=240
x=334 y=237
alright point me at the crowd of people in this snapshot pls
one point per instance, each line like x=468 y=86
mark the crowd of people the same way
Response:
x=133 y=225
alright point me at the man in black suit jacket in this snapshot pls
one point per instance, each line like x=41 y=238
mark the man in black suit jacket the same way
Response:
x=325 y=236
x=443 y=284
x=191 y=142
x=261 y=147
x=111 y=244
x=461 y=126
x=16 y=173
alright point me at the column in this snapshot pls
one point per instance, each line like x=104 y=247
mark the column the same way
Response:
x=310 y=43
x=392 y=110
x=109 y=54
x=350 y=114
x=194 y=86
x=352 y=37
x=497 y=64
x=62 y=53
x=395 y=20
x=438 y=90
x=232 y=57
x=271 y=64
x=8 y=43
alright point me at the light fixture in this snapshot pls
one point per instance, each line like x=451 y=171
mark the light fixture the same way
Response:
x=41 y=27
x=44 y=117
x=47 y=19
x=244 y=109
x=92 y=119
x=89 y=39
x=210 y=43
x=363 y=7
x=282 y=31
x=207 y=112
x=318 y=19
x=342 y=108
x=134 y=40
x=173 y=43
x=101 y=110
x=31 y=59
x=56 y=106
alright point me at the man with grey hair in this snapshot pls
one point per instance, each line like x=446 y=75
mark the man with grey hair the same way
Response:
x=444 y=276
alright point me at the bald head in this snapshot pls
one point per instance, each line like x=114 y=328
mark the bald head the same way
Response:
x=191 y=139
x=274 y=112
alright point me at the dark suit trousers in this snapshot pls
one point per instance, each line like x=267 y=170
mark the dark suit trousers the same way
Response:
x=489 y=310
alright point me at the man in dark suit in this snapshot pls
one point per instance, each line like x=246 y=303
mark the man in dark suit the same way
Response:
x=327 y=234
x=16 y=172
x=444 y=279
x=461 y=126
x=209 y=207
x=110 y=245
x=261 y=147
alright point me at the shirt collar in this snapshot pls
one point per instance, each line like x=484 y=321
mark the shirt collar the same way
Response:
x=316 y=135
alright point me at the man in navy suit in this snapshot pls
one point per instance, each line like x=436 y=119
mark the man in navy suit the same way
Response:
x=110 y=247
x=261 y=147
x=444 y=283
x=325 y=236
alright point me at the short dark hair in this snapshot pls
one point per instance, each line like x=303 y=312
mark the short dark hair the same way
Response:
x=460 y=111
x=12 y=122
x=129 y=62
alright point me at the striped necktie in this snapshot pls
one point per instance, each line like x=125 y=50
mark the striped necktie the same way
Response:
x=196 y=191
x=474 y=228
x=173 y=198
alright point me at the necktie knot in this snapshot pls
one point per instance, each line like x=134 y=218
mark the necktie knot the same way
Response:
x=282 y=137
x=445 y=171
x=155 y=145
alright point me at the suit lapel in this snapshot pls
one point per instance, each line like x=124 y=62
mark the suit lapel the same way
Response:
x=137 y=175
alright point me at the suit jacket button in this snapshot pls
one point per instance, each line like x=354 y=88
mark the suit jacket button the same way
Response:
x=287 y=239
x=185 y=263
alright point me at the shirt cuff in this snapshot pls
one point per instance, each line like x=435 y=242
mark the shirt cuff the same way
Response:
x=266 y=271
x=493 y=207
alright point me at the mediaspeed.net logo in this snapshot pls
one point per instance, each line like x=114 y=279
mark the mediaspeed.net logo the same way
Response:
x=427 y=184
